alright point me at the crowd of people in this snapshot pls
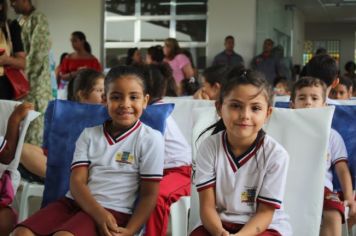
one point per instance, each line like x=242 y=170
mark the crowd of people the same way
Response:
x=125 y=175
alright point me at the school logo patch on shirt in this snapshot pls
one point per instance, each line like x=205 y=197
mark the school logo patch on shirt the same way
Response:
x=125 y=157
x=248 y=196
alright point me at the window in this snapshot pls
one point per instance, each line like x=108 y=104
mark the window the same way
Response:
x=145 y=23
x=331 y=46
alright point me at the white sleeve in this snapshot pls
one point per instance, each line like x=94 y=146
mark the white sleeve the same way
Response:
x=80 y=157
x=152 y=156
x=2 y=143
x=205 y=175
x=337 y=148
x=177 y=148
x=273 y=185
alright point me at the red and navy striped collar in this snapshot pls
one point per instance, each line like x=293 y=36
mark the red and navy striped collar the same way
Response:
x=237 y=162
x=115 y=139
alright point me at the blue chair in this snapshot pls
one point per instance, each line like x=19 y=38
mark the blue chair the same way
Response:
x=64 y=122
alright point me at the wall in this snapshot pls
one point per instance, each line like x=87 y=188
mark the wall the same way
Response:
x=345 y=32
x=231 y=17
x=66 y=16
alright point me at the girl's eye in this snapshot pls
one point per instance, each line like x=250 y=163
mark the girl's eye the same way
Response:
x=134 y=97
x=315 y=98
x=235 y=105
x=256 y=108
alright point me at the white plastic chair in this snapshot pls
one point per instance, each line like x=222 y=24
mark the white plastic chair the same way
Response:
x=304 y=133
x=29 y=189
x=6 y=108
x=179 y=216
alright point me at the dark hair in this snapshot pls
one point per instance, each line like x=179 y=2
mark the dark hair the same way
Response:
x=229 y=37
x=118 y=72
x=130 y=53
x=156 y=82
x=81 y=36
x=321 y=51
x=237 y=77
x=350 y=65
x=156 y=53
x=323 y=67
x=84 y=81
x=216 y=73
x=308 y=81
x=343 y=80
x=63 y=55
x=280 y=79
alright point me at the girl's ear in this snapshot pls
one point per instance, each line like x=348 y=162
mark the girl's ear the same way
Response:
x=218 y=108
x=291 y=104
x=269 y=111
x=217 y=86
x=146 y=98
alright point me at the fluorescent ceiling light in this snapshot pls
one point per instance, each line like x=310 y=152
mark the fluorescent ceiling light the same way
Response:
x=182 y=3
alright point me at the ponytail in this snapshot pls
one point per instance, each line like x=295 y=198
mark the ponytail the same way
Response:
x=87 y=47
x=218 y=126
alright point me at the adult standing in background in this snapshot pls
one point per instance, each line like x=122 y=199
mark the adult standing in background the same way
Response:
x=180 y=63
x=79 y=59
x=36 y=42
x=13 y=54
x=266 y=63
x=228 y=56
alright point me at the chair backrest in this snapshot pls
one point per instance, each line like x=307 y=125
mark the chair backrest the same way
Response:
x=304 y=134
x=183 y=111
x=64 y=122
x=6 y=108
x=344 y=121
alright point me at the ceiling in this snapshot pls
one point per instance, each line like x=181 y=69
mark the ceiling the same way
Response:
x=326 y=10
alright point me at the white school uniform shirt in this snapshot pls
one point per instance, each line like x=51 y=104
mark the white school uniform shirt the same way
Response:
x=336 y=153
x=177 y=150
x=117 y=164
x=2 y=148
x=257 y=176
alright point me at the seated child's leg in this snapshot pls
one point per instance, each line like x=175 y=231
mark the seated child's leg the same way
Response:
x=333 y=211
x=8 y=220
x=331 y=223
x=175 y=183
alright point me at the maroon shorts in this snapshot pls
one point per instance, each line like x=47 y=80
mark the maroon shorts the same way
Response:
x=332 y=202
x=232 y=229
x=66 y=215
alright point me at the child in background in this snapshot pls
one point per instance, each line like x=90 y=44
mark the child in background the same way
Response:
x=309 y=92
x=116 y=169
x=343 y=91
x=177 y=160
x=8 y=144
x=241 y=171
x=280 y=86
x=154 y=55
x=87 y=87
x=213 y=78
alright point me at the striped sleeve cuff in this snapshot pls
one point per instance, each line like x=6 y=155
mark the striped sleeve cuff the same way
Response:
x=154 y=178
x=340 y=159
x=205 y=185
x=3 y=145
x=79 y=164
x=270 y=201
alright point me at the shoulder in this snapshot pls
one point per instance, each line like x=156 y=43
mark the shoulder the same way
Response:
x=147 y=134
x=211 y=142
x=39 y=15
x=335 y=136
x=181 y=57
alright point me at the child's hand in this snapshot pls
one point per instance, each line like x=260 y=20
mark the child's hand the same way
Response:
x=21 y=111
x=106 y=223
x=352 y=208
x=123 y=232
